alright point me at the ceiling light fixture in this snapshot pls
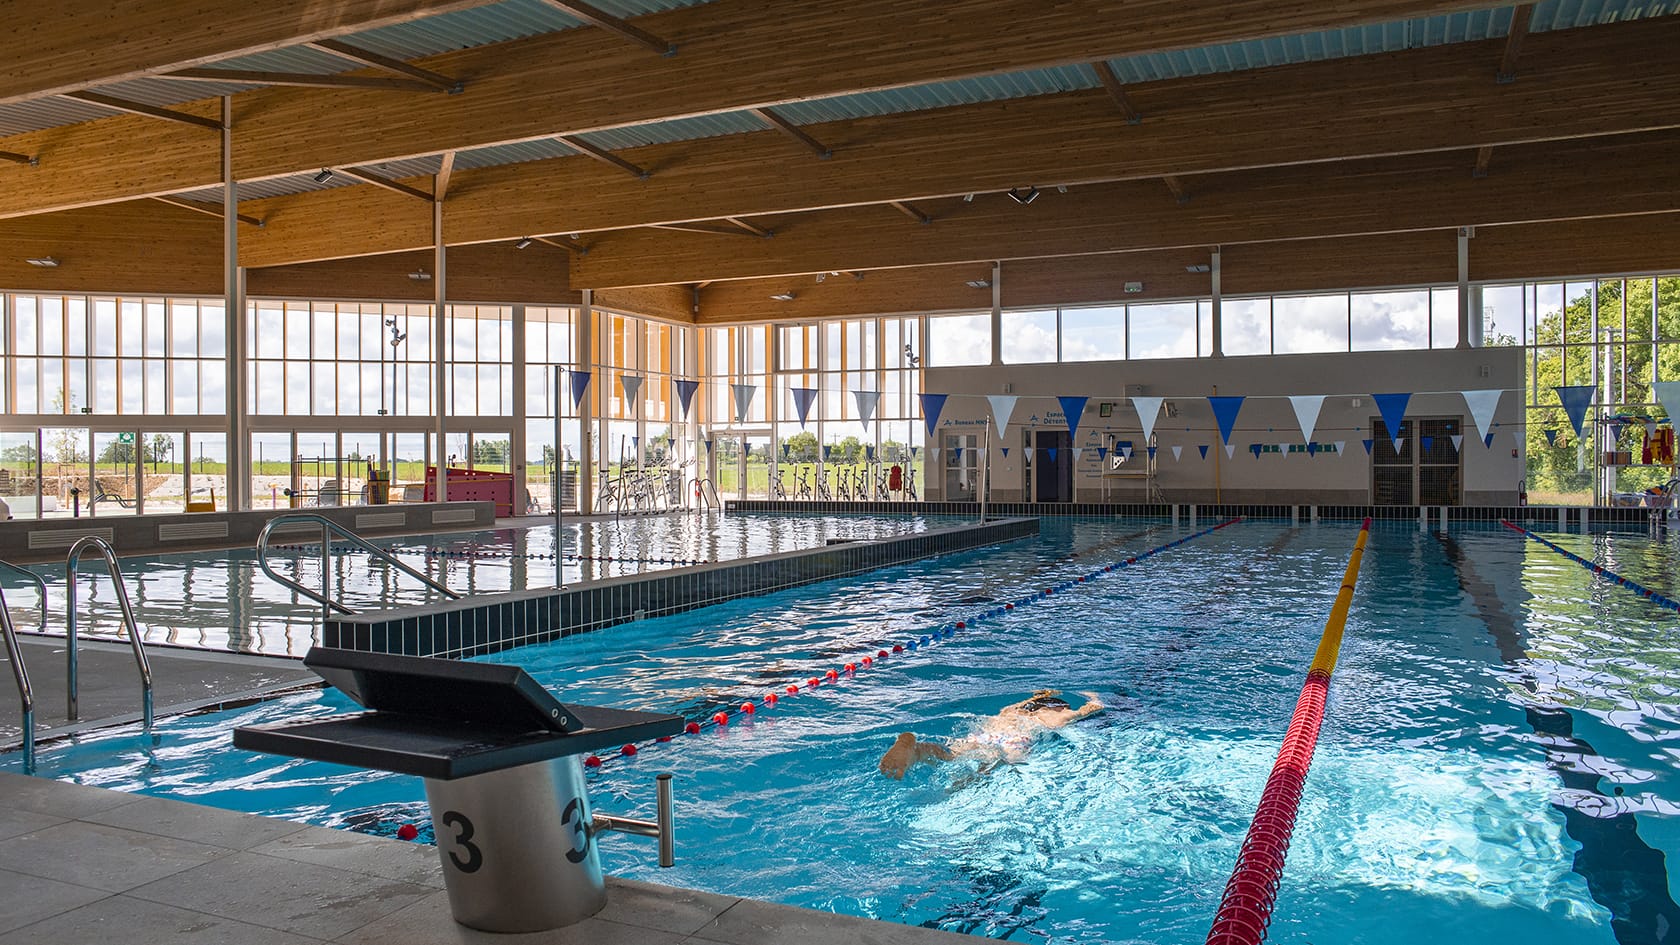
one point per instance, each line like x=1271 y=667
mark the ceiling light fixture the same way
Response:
x=1198 y=267
x=524 y=241
x=45 y=262
x=1023 y=197
x=420 y=275
x=979 y=283
x=783 y=297
x=968 y=198
x=1061 y=188
x=325 y=175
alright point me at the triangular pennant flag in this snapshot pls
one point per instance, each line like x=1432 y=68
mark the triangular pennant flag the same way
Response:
x=1177 y=450
x=1487 y=441
x=1078 y=451
x=1340 y=444
x=1650 y=428
x=933 y=454
x=803 y=398
x=1148 y=408
x=1482 y=404
x=869 y=454
x=1307 y=407
x=1203 y=448
x=1005 y=451
x=1668 y=394
x=958 y=451
x=635 y=443
x=1151 y=452
x=828 y=450
x=784 y=452
x=1002 y=406
x=1368 y=444
x=743 y=399
x=1517 y=437
x=1393 y=409
x=866 y=401
x=1102 y=452
x=1427 y=442
x=1255 y=449
x=1458 y=442
x=932 y=406
x=1126 y=451
x=1230 y=450
x=914 y=450
x=1576 y=398
x=1050 y=452
x=1073 y=408
x=580 y=384
x=1551 y=437
x=632 y=385
x=710 y=444
x=1312 y=449
x=1225 y=411
x=685 y=393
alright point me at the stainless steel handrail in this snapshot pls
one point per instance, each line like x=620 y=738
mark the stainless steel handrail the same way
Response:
x=25 y=694
x=328 y=529
x=104 y=550
x=39 y=582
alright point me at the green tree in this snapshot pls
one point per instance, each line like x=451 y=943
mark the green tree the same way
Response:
x=802 y=447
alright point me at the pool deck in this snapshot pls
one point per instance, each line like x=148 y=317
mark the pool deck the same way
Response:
x=84 y=864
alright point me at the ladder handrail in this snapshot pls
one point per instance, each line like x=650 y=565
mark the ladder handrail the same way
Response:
x=71 y=561
x=39 y=582
x=26 y=695
x=328 y=529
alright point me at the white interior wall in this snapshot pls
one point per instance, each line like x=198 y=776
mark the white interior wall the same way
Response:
x=1491 y=475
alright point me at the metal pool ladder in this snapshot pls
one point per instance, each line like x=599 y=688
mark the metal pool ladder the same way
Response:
x=25 y=694
x=104 y=550
x=329 y=528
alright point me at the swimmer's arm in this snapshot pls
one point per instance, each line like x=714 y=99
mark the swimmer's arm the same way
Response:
x=930 y=750
x=1092 y=706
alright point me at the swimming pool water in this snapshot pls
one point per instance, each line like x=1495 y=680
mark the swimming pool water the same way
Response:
x=1497 y=760
x=222 y=600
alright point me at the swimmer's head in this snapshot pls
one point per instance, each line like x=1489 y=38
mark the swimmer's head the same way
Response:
x=1046 y=699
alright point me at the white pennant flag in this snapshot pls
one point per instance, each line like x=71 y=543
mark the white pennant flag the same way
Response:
x=1307 y=407
x=1078 y=451
x=1126 y=451
x=1177 y=450
x=1340 y=451
x=1517 y=436
x=933 y=454
x=1230 y=450
x=1482 y=404
x=1148 y=408
x=1458 y=442
x=1002 y=406
x=1668 y=394
x=632 y=385
x=743 y=399
x=866 y=401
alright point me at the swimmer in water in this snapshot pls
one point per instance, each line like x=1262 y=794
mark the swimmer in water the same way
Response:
x=1005 y=738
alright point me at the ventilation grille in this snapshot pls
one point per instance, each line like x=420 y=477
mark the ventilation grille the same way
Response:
x=381 y=520
x=65 y=538
x=452 y=517
x=194 y=531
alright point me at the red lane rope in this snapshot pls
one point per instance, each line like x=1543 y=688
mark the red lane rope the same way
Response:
x=1246 y=910
x=853 y=667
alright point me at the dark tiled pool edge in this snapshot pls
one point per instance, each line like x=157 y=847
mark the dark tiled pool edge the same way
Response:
x=1540 y=516
x=491 y=623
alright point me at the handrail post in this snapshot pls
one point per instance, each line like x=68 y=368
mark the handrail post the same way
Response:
x=26 y=695
x=326 y=571
x=115 y=570
x=72 y=711
x=328 y=529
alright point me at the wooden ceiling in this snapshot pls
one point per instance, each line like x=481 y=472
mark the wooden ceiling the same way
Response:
x=1546 y=136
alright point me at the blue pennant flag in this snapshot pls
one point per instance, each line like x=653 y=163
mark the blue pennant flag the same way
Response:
x=1225 y=411
x=869 y=454
x=1203 y=448
x=1073 y=408
x=685 y=393
x=1368 y=446
x=1005 y=452
x=1575 y=398
x=958 y=450
x=1051 y=453
x=580 y=383
x=1102 y=452
x=932 y=406
x=1312 y=449
x=784 y=452
x=1255 y=449
x=803 y=398
x=914 y=450
x=710 y=444
x=1551 y=437
x=1152 y=450
x=1393 y=410
x=828 y=450
x=1487 y=441
x=1427 y=442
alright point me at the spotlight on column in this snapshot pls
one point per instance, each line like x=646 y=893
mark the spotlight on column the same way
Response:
x=524 y=241
x=325 y=175
x=1023 y=197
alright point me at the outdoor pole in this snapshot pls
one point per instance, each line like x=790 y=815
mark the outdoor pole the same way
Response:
x=559 y=483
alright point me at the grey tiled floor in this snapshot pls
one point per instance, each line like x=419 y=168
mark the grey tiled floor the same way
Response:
x=86 y=865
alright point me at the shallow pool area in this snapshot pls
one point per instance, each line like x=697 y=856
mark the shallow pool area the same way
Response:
x=1497 y=757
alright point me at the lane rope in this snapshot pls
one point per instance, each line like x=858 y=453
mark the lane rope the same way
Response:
x=850 y=670
x=1600 y=571
x=1246 y=908
x=478 y=554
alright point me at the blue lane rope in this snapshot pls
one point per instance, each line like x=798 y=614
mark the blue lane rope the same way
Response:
x=1601 y=571
x=751 y=707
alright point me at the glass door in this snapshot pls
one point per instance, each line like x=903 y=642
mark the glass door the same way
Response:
x=115 y=489
x=64 y=471
x=20 y=474
x=163 y=473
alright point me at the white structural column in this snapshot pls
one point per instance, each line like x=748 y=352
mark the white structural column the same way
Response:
x=690 y=370
x=1464 y=235
x=584 y=358
x=238 y=464
x=997 y=313
x=518 y=448
x=440 y=351
x=1216 y=312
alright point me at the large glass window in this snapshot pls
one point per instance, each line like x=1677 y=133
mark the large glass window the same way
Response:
x=1028 y=338
x=1161 y=331
x=1094 y=334
x=1387 y=321
x=959 y=339
x=1304 y=324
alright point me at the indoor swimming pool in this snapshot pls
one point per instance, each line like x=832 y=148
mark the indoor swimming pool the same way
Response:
x=221 y=599
x=1498 y=760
